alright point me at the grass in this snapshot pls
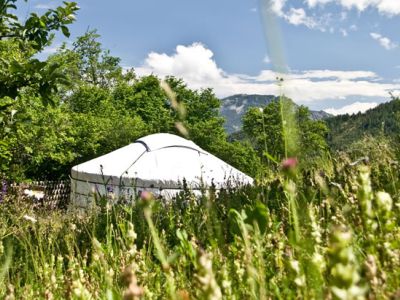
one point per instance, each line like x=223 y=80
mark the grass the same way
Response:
x=308 y=236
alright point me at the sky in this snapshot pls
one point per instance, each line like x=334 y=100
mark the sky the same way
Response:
x=341 y=56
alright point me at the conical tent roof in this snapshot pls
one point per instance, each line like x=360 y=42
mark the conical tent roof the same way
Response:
x=158 y=161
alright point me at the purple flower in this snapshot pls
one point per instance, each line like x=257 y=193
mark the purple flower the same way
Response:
x=289 y=163
x=146 y=196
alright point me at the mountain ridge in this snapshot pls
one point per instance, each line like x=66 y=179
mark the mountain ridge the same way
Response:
x=382 y=120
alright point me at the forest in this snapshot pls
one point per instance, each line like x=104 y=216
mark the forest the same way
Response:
x=321 y=221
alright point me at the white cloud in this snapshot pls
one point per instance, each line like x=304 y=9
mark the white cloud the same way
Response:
x=277 y=6
x=298 y=16
x=383 y=41
x=45 y=6
x=266 y=59
x=353 y=27
x=388 y=7
x=254 y=9
x=195 y=64
x=352 y=108
x=313 y=3
x=344 y=32
x=320 y=74
x=328 y=22
x=51 y=49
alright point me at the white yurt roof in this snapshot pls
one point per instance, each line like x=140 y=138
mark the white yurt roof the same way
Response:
x=160 y=161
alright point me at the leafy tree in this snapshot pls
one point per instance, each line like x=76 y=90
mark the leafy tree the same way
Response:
x=96 y=66
x=20 y=73
x=36 y=30
x=312 y=135
x=264 y=129
x=20 y=42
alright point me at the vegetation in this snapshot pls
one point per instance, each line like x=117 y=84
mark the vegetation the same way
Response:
x=318 y=223
x=382 y=120
x=336 y=238
x=266 y=130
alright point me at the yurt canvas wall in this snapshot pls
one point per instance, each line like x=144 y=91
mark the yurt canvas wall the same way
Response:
x=158 y=163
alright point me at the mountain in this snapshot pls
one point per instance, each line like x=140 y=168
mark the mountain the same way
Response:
x=381 y=120
x=234 y=107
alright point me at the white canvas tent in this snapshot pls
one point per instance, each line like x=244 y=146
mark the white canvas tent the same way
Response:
x=158 y=163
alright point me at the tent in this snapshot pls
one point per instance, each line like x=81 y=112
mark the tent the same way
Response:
x=159 y=163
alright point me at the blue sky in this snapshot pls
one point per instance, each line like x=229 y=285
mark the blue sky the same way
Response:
x=337 y=55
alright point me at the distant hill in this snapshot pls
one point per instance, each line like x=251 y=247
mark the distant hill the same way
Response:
x=234 y=107
x=383 y=119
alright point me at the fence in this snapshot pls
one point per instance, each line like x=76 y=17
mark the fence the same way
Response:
x=49 y=194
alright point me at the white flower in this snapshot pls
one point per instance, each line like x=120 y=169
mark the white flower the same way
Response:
x=384 y=201
x=29 y=218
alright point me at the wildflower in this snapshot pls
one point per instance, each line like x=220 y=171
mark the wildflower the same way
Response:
x=72 y=227
x=184 y=295
x=206 y=279
x=133 y=290
x=289 y=163
x=344 y=268
x=29 y=218
x=384 y=201
x=146 y=196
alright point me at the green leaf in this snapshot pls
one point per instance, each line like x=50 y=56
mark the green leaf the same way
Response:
x=65 y=31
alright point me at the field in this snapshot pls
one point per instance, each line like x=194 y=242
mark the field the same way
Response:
x=310 y=236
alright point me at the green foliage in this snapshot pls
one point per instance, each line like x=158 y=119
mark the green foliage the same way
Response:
x=381 y=120
x=274 y=138
x=234 y=245
x=19 y=42
x=20 y=73
x=37 y=29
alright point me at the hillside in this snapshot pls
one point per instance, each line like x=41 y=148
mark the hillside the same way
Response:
x=234 y=107
x=346 y=129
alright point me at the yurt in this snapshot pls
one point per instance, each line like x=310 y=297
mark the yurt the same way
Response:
x=159 y=163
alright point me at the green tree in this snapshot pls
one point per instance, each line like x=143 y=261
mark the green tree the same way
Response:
x=21 y=73
x=25 y=40
x=264 y=129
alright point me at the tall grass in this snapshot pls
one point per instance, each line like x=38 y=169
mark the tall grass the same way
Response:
x=336 y=238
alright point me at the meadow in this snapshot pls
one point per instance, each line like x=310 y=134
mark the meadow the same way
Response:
x=312 y=235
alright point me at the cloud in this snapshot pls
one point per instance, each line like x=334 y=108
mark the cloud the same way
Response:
x=383 y=41
x=51 y=49
x=352 y=108
x=277 y=6
x=266 y=59
x=353 y=27
x=196 y=66
x=298 y=16
x=328 y=22
x=45 y=6
x=344 y=32
x=313 y=3
x=387 y=7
